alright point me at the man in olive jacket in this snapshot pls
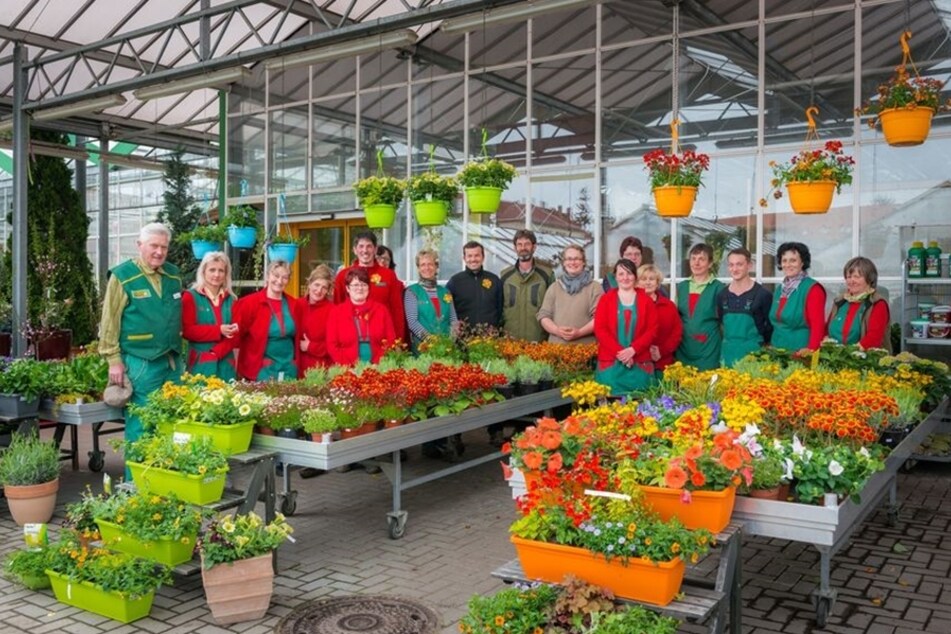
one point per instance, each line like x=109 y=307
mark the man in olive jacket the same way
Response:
x=523 y=290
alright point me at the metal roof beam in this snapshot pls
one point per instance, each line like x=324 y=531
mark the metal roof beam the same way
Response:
x=48 y=43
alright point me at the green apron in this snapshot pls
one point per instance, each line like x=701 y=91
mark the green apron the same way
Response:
x=740 y=334
x=432 y=323
x=612 y=281
x=790 y=330
x=855 y=328
x=700 y=346
x=621 y=379
x=279 y=353
x=205 y=315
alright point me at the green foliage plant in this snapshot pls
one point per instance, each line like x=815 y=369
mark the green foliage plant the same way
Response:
x=29 y=460
x=486 y=172
x=286 y=412
x=510 y=610
x=228 y=539
x=501 y=366
x=210 y=232
x=27 y=377
x=319 y=421
x=196 y=456
x=431 y=186
x=241 y=216
x=25 y=564
x=147 y=516
x=768 y=470
x=123 y=574
x=380 y=190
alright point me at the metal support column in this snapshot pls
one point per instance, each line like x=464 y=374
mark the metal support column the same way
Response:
x=21 y=140
x=103 y=252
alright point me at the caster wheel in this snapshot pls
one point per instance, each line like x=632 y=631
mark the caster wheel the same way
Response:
x=96 y=462
x=397 y=527
x=823 y=607
x=289 y=503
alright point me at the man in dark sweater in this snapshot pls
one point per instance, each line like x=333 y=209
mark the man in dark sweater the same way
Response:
x=476 y=293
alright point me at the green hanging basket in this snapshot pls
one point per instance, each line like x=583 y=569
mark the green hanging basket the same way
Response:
x=380 y=216
x=430 y=213
x=484 y=200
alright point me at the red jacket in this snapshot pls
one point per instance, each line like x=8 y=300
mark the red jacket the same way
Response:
x=670 y=330
x=313 y=323
x=605 y=328
x=253 y=316
x=385 y=288
x=342 y=340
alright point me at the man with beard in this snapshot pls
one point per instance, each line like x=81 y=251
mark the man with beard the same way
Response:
x=523 y=290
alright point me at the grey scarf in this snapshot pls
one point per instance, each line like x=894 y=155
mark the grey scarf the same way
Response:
x=573 y=285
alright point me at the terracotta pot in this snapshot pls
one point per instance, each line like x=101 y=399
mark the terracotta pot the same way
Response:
x=32 y=504
x=656 y=583
x=707 y=509
x=368 y=428
x=239 y=591
x=766 y=494
x=674 y=201
x=393 y=422
x=323 y=438
x=349 y=433
x=810 y=197
x=904 y=127
x=57 y=345
x=264 y=431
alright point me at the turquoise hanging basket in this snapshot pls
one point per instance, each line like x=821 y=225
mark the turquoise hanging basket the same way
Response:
x=202 y=247
x=242 y=237
x=282 y=251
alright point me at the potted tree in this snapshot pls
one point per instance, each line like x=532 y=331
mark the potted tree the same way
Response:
x=29 y=473
x=484 y=180
x=432 y=195
x=204 y=239
x=242 y=225
x=237 y=568
x=380 y=196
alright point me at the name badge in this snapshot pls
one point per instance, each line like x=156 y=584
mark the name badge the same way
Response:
x=177 y=296
x=141 y=294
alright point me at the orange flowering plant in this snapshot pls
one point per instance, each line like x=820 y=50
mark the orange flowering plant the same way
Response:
x=711 y=466
x=548 y=445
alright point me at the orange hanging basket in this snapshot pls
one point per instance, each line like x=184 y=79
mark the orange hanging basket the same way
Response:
x=646 y=581
x=674 y=201
x=707 y=509
x=810 y=197
x=905 y=127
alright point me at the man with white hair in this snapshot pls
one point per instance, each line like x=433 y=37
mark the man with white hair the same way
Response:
x=140 y=334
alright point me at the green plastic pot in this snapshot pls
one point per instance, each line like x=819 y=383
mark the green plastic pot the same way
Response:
x=484 y=200
x=168 y=551
x=194 y=489
x=228 y=439
x=380 y=216
x=87 y=596
x=430 y=213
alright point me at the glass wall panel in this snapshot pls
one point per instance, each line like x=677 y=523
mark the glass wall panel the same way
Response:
x=563 y=210
x=291 y=85
x=497 y=230
x=334 y=149
x=696 y=15
x=335 y=78
x=383 y=129
x=563 y=111
x=810 y=62
x=288 y=149
x=497 y=103
x=383 y=68
x=626 y=21
x=498 y=44
x=443 y=54
x=636 y=97
x=246 y=155
x=248 y=96
x=786 y=7
x=438 y=110
x=564 y=31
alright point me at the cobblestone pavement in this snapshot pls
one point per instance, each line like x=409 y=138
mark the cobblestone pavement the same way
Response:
x=890 y=580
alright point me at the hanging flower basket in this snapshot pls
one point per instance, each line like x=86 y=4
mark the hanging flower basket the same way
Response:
x=380 y=216
x=242 y=237
x=202 y=247
x=904 y=127
x=285 y=251
x=810 y=197
x=674 y=201
x=430 y=213
x=484 y=200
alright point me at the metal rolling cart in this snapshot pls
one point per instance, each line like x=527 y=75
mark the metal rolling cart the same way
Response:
x=700 y=600
x=830 y=527
x=75 y=415
x=390 y=441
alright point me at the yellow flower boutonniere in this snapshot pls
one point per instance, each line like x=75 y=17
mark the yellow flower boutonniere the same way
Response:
x=375 y=279
x=486 y=284
x=447 y=298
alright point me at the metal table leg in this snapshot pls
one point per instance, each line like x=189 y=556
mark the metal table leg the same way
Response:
x=396 y=519
x=824 y=597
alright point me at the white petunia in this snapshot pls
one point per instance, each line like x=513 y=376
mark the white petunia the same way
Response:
x=835 y=468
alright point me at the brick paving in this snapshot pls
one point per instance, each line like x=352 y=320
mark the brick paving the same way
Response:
x=890 y=580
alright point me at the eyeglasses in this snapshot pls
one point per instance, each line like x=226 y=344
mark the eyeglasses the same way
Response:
x=574 y=259
x=358 y=285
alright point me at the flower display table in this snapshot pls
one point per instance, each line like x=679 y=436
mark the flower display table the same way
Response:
x=697 y=602
x=93 y=414
x=829 y=527
x=391 y=441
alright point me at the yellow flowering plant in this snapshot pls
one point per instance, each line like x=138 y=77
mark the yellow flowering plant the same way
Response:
x=147 y=516
x=586 y=393
x=197 y=456
x=227 y=539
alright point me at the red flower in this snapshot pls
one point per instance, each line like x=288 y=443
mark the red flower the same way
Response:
x=675 y=478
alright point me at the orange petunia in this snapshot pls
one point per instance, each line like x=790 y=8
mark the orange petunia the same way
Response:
x=724 y=440
x=555 y=462
x=694 y=452
x=731 y=459
x=571 y=426
x=698 y=479
x=675 y=478
x=547 y=423
x=551 y=440
x=532 y=460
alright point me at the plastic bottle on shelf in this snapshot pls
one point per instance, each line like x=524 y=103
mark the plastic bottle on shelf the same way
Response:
x=916 y=259
x=933 y=260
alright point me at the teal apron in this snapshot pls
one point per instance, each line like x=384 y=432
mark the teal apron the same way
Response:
x=433 y=322
x=790 y=330
x=700 y=346
x=855 y=328
x=621 y=379
x=205 y=315
x=279 y=353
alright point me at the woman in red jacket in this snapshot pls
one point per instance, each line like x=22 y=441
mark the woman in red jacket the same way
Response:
x=670 y=330
x=207 y=318
x=268 y=326
x=861 y=315
x=314 y=311
x=625 y=325
x=358 y=329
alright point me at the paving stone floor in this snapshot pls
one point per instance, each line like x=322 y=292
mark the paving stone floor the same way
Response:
x=457 y=535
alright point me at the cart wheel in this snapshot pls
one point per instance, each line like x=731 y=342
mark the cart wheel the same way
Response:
x=822 y=611
x=289 y=503
x=893 y=516
x=908 y=465
x=397 y=526
x=96 y=462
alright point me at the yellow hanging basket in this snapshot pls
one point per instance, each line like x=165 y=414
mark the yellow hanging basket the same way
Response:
x=674 y=201
x=810 y=197
x=905 y=127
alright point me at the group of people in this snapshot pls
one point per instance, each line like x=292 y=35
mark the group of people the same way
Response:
x=356 y=314
x=640 y=331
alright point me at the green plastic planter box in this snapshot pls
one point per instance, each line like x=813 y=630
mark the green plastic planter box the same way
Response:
x=86 y=596
x=168 y=551
x=194 y=489
x=228 y=439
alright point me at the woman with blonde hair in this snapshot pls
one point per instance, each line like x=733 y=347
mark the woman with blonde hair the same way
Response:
x=313 y=311
x=669 y=328
x=567 y=312
x=268 y=321
x=208 y=319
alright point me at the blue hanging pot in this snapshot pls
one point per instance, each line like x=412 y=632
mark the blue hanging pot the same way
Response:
x=242 y=237
x=202 y=247
x=282 y=251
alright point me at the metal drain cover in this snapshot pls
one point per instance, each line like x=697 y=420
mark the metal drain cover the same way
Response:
x=349 y=615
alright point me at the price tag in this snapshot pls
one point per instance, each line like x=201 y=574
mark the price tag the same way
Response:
x=35 y=536
x=181 y=438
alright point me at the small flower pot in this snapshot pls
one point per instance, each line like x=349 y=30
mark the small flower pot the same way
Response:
x=891 y=438
x=202 y=247
x=242 y=237
x=349 y=432
x=239 y=591
x=545 y=384
x=810 y=197
x=766 y=494
x=430 y=213
x=392 y=422
x=324 y=438
x=484 y=200
x=904 y=127
x=506 y=391
x=285 y=252
x=674 y=201
x=33 y=503
x=380 y=216
x=58 y=344
x=523 y=389
x=368 y=428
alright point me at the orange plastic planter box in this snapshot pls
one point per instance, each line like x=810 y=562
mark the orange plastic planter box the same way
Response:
x=645 y=581
x=707 y=509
